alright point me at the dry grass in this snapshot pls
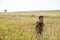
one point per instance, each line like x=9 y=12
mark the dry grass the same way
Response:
x=20 y=26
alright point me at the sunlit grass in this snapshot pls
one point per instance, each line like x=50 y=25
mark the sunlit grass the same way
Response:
x=21 y=26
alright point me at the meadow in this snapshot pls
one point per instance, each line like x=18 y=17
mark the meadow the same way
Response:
x=21 y=25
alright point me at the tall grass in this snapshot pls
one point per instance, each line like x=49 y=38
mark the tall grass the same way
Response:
x=21 y=27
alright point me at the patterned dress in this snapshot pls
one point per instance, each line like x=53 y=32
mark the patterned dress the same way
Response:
x=39 y=28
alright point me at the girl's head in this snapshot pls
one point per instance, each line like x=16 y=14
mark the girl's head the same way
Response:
x=41 y=18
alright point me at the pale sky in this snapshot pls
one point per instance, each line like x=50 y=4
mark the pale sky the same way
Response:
x=29 y=5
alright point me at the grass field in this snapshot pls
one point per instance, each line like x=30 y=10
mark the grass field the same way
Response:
x=20 y=25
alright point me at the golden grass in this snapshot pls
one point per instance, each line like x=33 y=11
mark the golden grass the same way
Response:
x=20 y=26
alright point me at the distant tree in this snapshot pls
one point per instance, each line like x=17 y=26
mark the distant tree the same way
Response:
x=5 y=10
x=32 y=15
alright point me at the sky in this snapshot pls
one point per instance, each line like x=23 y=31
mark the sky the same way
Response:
x=29 y=5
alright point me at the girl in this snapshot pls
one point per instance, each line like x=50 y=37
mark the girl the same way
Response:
x=39 y=26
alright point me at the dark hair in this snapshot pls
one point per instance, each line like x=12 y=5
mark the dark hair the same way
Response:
x=41 y=17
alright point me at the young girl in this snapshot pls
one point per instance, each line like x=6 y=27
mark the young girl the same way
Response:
x=39 y=26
